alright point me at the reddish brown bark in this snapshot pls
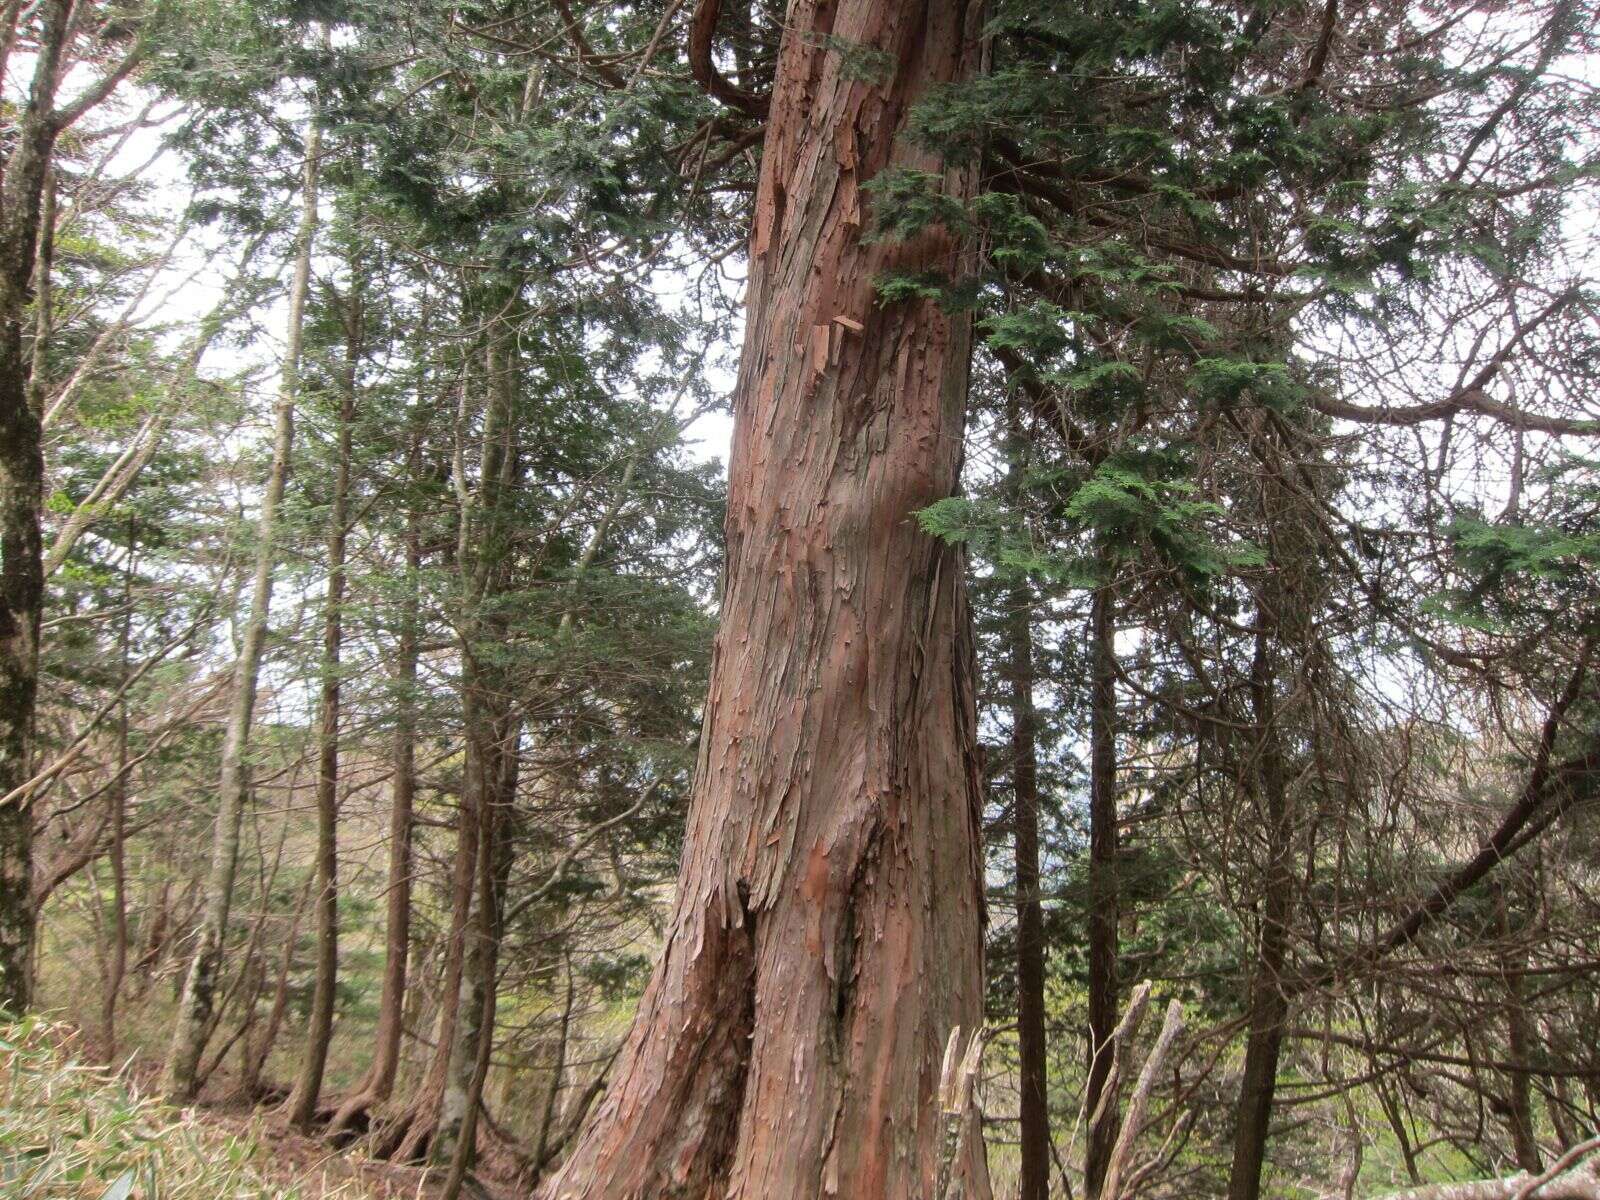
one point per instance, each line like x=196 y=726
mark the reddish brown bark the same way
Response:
x=827 y=930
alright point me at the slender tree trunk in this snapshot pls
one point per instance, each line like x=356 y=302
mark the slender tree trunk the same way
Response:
x=25 y=173
x=1519 y=1084
x=469 y=1068
x=1104 y=901
x=411 y=1136
x=1034 y=1182
x=558 y=1070
x=1033 y=1077
x=493 y=733
x=302 y=1105
x=499 y=764
x=426 y=1129
x=1269 y=1006
x=118 y=966
x=827 y=928
x=195 y=1005
x=257 y=1053
x=379 y=1084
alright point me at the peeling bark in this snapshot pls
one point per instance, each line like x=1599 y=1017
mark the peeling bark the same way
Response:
x=826 y=934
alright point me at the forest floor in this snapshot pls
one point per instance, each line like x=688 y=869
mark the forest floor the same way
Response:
x=70 y=1128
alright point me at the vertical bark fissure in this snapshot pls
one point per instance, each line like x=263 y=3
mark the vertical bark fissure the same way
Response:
x=826 y=933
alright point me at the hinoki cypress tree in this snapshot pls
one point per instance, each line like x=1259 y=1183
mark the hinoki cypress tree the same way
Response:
x=826 y=936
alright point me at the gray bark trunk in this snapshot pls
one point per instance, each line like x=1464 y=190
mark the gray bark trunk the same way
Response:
x=196 y=1003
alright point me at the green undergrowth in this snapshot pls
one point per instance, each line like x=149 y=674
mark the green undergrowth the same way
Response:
x=71 y=1129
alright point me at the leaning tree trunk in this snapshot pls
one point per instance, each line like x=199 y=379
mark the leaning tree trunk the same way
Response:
x=827 y=929
x=199 y=990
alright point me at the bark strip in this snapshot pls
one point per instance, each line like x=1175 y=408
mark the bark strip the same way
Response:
x=826 y=934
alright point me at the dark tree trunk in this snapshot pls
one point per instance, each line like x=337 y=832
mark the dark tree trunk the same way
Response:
x=1104 y=902
x=302 y=1105
x=827 y=929
x=1519 y=1041
x=379 y=1083
x=470 y=1064
x=25 y=170
x=1269 y=1005
x=1033 y=1074
x=410 y=1136
x=117 y=968
x=426 y=1129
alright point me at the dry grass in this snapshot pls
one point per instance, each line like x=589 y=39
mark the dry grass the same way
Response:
x=70 y=1130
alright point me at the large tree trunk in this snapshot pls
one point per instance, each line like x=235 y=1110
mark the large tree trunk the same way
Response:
x=1104 y=902
x=193 y=1022
x=302 y=1104
x=827 y=929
